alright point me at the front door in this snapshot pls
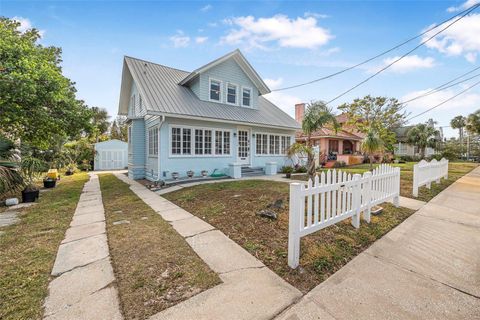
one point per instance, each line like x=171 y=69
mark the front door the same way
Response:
x=243 y=152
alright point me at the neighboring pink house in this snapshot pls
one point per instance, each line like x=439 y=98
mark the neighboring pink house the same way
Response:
x=343 y=145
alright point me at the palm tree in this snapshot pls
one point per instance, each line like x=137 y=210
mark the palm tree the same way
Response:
x=422 y=135
x=372 y=144
x=99 y=121
x=317 y=116
x=10 y=178
x=473 y=123
x=459 y=122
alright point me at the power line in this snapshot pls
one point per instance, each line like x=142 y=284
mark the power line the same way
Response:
x=438 y=89
x=378 y=55
x=443 y=102
x=403 y=56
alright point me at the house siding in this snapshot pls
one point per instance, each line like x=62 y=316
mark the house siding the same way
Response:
x=135 y=108
x=227 y=72
x=182 y=164
x=136 y=156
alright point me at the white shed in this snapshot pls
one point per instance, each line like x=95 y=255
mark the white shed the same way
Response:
x=111 y=155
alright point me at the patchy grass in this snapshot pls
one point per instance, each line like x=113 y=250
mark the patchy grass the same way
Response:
x=154 y=266
x=28 y=249
x=232 y=207
x=455 y=171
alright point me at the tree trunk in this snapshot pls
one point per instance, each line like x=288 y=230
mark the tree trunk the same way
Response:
x=370 y=157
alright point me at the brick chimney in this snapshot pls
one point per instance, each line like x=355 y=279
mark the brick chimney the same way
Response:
x=299 y=112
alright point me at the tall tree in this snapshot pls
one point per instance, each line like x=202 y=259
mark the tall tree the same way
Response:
x=372 y=144
x=459 y=122
x=422 y=136
x=473 y=123
x=317 y=116
x=119 y=129
x=100 y=122
x=379 y=114
x=37 y=103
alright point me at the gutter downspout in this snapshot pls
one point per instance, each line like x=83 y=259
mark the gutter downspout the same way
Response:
x=162 y=120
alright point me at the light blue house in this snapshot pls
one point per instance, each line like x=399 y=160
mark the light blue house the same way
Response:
x=213 y=119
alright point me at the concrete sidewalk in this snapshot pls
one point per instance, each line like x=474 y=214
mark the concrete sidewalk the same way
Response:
x=83 y=287
x=426 y=268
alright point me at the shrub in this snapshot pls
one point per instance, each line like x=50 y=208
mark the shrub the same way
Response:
x=286 y=169
x=339 y=164
x=300 y=169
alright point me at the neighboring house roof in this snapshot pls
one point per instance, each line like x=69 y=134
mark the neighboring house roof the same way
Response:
x=241 y=61
x=330 y=133
x=160 y=89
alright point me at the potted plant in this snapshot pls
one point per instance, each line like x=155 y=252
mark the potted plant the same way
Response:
x=70 y=169
x=49 y=183
x=190 y=173
x=204 y=173
x=31 y=170
x=175 y=175
x=287 y=170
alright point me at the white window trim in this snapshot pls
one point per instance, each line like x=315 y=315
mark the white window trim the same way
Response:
x=153 y=155
x=192 y=139
x=210 y=88
x=280 y=135
x=251 y=94
x=237 y=87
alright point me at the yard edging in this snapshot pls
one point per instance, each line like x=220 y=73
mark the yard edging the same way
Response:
x=83 y=287
x=249 y=289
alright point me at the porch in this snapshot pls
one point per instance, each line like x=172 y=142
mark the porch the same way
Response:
x=337 y=149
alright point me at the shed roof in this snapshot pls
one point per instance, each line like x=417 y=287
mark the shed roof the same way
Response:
x=160 y=87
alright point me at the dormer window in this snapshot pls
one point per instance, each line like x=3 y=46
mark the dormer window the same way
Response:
x=246 y=96
x=215 y=90
x=232 y=93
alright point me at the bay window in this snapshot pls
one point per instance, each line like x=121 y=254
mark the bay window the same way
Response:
x=187 y=141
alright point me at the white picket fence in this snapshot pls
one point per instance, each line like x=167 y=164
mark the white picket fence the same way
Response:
x=336 y=196
x=425 y=172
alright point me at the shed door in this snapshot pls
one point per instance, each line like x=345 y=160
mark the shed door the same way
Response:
x=111 y=160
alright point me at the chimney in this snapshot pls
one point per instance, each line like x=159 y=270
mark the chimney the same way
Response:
x=299 y=112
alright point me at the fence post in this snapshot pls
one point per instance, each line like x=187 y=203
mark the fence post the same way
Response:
x=294 y=216
x=356 y=200
x=367 y=194
x=396 y=198
x=415 y=180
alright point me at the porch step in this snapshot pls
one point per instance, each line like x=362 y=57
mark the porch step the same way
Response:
x=250 y=172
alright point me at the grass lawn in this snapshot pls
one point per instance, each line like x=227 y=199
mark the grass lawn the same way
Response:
x=455 y=171
x=28 y=249
x=232 y=206
x=154 y=266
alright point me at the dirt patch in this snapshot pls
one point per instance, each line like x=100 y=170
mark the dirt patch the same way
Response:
x=154 y=266
x=232 y=207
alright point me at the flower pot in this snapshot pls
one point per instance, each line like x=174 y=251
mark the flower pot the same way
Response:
x=204 y=173
x=175 y=175
x=49 y=183
x=30 y=195
x=69 y=173
x=190 y=174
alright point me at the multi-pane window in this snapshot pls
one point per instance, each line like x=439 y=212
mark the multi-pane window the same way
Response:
x=187 y=141
x=271 y=144
x=246 y=96
x=140 y=101
x=129 y=139
x=208 y=142
x=153 y=141
x=198 y=141
x=176 y=141
x=231 y=93
x=215 y=90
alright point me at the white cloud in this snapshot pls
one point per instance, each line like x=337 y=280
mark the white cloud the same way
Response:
x=468 y=100
x=286 y=32
x=408 y=63
x=282 y=100
x=459 y=39
x=206 y=8
x=316 y=15
x=180 y=40
x=201 y=40
x=467 y=4
x=26 y=24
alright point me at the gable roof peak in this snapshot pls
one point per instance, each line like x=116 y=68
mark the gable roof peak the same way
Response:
x=243 y=64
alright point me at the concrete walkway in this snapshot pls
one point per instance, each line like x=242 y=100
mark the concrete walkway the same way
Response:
x=83 y=287
x=426 y=268
x=249 y=289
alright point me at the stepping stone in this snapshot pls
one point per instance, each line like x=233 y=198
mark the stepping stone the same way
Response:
x=87 y=218
x=84 y=231
x=71 y=287
x=80 y=253
x=8 y=218
x=175 y=214
x=115 y=223
x=191 y=226
x=21 y=205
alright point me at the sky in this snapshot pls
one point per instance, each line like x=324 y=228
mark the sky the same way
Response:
x=287 y=42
